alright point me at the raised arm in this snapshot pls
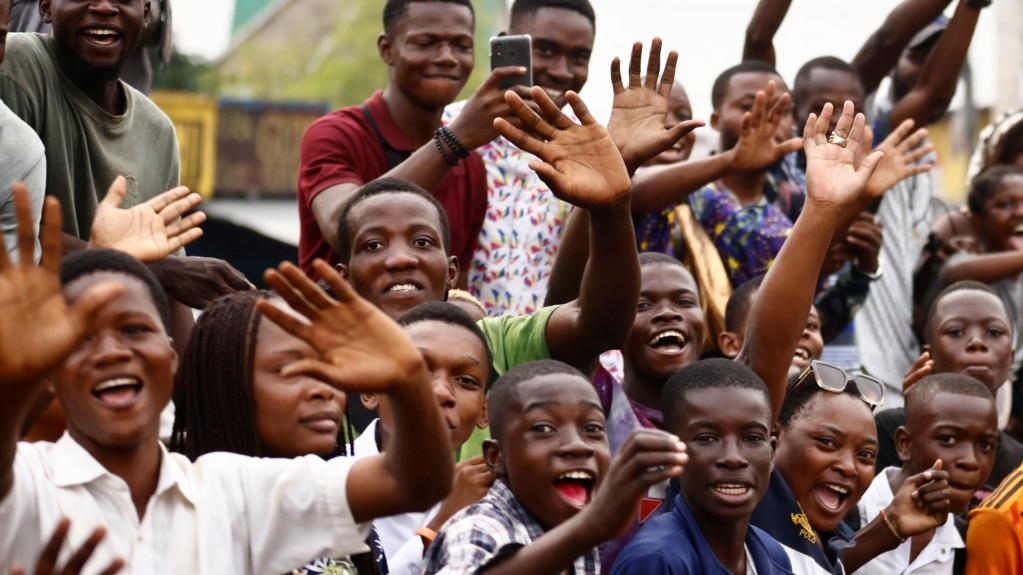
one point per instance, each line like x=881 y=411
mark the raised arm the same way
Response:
x=38 y=329
x=936 y=84
x=362 y=350
x=833 y=187
x=881 y=51
x=760 y=32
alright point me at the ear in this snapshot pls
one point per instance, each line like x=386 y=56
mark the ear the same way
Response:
x=493 y=457
x=342 y=270
x=370 y=401
x=452 y=279
x=146 y=9
x=903 y=444
x=729 y=344
x=44 y=11
x=384 y=49
x=483 y=420
x=715 y=119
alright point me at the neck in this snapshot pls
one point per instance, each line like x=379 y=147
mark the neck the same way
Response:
x=727 y=539
x=747 y=186
x=101 y=87
x=415 y=121
x=138 y=466
x=641 y=389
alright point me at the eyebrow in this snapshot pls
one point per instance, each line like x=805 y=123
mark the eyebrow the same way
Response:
x=842 y=434
x=539 y=405
x=717 y=425
x=465 y=358
x=678 y=291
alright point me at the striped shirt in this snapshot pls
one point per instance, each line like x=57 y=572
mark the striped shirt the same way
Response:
x=994 y=538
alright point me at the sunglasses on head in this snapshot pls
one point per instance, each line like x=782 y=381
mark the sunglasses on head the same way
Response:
x=835 y=379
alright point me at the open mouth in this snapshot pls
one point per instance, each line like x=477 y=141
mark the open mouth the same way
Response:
x=831 y=495
x=575 y=487
x=117 y=392
x=403 y=288
x=102 y=36
x=671 y=341
x=735 y=493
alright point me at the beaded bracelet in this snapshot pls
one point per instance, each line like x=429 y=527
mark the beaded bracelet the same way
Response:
x=444 y=153
x=891 y=527
x=456 y=146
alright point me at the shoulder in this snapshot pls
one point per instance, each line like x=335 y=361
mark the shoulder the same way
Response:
x=146 y=114
x=661 y=546
x=16 y=137
x=775 y=551
x=29 y=47
x=342 y=125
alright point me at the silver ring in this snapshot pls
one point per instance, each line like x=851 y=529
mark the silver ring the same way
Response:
x=834 y=138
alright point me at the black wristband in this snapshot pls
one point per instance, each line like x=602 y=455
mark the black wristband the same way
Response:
x=978 y=4
x=444 y=153
x=456 y=146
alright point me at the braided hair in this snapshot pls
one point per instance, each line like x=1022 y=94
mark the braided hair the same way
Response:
x=214 y=401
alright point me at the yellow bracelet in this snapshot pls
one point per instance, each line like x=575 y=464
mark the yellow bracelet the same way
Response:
x=891 y=527
x=426 y=533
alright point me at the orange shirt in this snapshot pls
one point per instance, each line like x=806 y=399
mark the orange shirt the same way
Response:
x=994 y=538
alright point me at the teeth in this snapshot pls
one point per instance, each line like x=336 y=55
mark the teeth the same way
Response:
x=1018 y=229
x=100 y=32
x=112 y=383
x=554 y=93
x=731 y=489
x=403 y=287
x=672 y=334
x=838 y=489
x=585 y=475
x=802 y=353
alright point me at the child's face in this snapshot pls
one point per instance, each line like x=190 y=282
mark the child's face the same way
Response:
x=1001 y=222
x=398 y=260
x=297 y=415
x=811 y=345
x=115 y=384
x=667 y=333
x=961 y=431
x=970 y=334
x=826 y=455
x=458 y=368
x=553 y=450
x=730 y=452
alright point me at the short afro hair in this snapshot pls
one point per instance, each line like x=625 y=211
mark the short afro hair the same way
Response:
x=524 y=8
x=717 y=93
x=924 y=391
x=986 y=185
x=93 y=261
x=821 y=63
x=716 y=373
x=394 y=10
x=451 y=314
x=965 y=285
x=739 y=304
x=505 y=392
x=378 y=187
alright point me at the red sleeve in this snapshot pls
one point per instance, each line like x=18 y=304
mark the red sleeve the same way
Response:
x=330 y=155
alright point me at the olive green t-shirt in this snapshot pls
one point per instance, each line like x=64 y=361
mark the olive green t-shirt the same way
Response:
x=87 y=148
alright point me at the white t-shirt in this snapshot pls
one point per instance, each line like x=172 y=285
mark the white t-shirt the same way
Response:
x=225 y=513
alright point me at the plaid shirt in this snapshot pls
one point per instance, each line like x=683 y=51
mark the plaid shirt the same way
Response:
x=488 y=532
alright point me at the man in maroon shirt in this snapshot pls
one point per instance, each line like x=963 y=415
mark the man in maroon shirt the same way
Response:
x=428 y=48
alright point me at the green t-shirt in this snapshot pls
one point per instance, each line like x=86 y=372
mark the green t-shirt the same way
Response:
x=513 y=340
x=87 y=148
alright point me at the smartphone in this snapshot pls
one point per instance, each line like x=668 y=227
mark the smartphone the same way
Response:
x=513 y=51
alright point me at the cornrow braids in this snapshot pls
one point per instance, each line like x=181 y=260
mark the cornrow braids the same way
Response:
x=214 y=400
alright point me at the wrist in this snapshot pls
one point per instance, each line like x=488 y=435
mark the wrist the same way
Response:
x=871 y=270
x=889 y=520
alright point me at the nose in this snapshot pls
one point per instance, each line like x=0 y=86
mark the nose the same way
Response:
x=445 y=55
x=966 y=458
x=845 y=463
x=108 y=348
x=103 y=7
x=442 y=390
x=731 y=456
x=666 y=311
x=573 y=445
x=558 y=69
x=321 y=391
x=976 y=342
x=400 y=257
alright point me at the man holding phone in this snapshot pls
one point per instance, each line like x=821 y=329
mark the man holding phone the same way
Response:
x=428 y=48
x=524 y=222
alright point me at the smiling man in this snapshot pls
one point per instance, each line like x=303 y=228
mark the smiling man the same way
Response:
x=521 y=234
x=427 y=46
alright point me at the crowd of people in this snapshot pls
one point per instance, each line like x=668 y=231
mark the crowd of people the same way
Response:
x=516 y=340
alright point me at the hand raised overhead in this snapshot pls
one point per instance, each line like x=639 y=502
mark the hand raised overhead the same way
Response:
x=580 y=163
x=902 y=150
x=149 y=231
x=832 y=178
x=637 y=115
x=758 y=146
x=360 y=348
x=39 y=329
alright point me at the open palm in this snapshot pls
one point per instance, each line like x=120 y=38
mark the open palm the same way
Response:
x=831 y=175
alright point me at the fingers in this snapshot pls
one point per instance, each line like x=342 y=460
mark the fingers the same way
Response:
x=234 y=279
x=635 y=63
x=49 y=234
x=668 y=78
x=616 y=76
x=499 y=74
x=653 y=65
x=189 y=223
x=869 y=165
x=173 y=206
x=579 y=108
x=283 y=319
x=342 y=290
x=844 y=126
x=115 y=193
x=48 y=558
x=78 y=559
x=23 y=214
x=86 y=308
x=314 y=368
x=300 y=292
x=682 y=129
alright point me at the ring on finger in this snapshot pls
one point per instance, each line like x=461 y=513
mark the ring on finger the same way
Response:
x=834 y=138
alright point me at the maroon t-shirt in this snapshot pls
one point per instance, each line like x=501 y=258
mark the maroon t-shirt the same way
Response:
x=342 y=148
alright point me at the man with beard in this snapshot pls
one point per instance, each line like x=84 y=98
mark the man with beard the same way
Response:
x=96 y=127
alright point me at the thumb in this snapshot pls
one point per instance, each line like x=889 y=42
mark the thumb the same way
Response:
x=116 y=192
x=869 y=164
x=88 y=306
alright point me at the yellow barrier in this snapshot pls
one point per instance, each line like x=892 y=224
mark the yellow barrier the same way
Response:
x=195 y=119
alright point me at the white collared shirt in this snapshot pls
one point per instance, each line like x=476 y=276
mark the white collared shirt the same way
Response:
x=934 y=559
x=225 y=513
